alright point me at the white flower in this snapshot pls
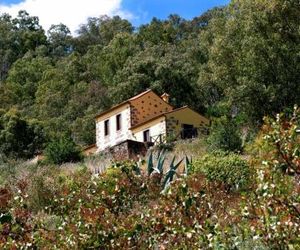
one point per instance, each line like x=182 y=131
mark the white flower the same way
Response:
x=189 y=235
x=209 y=236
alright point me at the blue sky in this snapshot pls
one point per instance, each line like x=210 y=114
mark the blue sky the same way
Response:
x=137 y=11
x=145 y=10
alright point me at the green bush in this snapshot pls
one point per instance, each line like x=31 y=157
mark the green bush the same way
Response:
x=62 y=150
x=19 y=138
x=229 y=169
x=224 y=135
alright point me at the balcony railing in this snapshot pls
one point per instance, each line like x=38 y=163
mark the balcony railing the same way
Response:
x=189 y=133
x=158 y=139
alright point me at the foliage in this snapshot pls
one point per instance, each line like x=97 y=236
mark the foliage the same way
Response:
x=62 y=150
x=223 y=57
x=81 y=209
x=158 y=170
x=285 y=136
x=20 y=138
x=227 y=168
x=224 y=135
x=274 y=205
x=62 y=210
x=239 y=61
x=253 y=63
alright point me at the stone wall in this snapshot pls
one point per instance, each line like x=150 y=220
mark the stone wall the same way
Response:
x=129 y=150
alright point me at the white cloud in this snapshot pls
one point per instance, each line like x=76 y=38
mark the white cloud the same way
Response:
x=69 y=12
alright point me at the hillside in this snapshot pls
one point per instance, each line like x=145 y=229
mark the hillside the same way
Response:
x=215 y=200
x=235 y=187
x=240 y=62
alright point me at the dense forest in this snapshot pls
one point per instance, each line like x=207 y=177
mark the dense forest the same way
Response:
x=236 y=188
x=240 y=62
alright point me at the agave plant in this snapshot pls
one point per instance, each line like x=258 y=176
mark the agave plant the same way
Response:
x=172 y=171
x=187 y=166
x=150 y=165
x=159 y=168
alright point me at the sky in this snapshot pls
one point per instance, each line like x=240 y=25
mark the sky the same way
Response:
x=75 y=12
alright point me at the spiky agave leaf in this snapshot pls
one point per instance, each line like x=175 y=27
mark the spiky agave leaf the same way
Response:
x=168 y=178
x=172 y=171
x=160 y=153
x=168 y=174
x=172 y=162
x=137 y=168
x=187 y=166
x=160 y=163
x=150 y=166
x=178 y=164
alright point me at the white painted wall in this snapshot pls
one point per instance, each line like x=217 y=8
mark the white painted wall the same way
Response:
x=114 y=136
x=156 y=128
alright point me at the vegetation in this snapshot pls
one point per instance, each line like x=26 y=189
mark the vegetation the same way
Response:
x=19 y=138
x=126 y=208
x=230 y=169
x=225 y=135
x=243 y=56
x=62 y=150
x=237 y=189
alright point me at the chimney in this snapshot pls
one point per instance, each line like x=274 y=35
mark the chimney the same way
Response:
x=165 y=97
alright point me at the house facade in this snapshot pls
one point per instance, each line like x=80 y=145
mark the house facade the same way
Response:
x=147 y=117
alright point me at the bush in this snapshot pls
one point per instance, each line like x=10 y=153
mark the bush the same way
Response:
x=19 y=138
x=62 y=150
x=224 y=135
x=229 y=169
x=276 y=158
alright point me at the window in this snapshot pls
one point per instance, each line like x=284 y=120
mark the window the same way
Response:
x=147 y=136
x=119 y=122
x=106 y=128
x=188 y=131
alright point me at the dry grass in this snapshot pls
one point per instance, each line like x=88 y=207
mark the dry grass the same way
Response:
x=192 y=148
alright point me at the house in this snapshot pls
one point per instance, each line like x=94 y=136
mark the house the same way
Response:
x=146 y=118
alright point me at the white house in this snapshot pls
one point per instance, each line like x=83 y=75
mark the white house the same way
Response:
x=146 y=117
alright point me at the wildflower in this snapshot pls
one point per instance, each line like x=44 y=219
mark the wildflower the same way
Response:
x=256 y=237
x=189 y=235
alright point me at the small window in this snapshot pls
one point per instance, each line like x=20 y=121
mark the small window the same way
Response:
x=106 y=128
x=147 y=136
x=118 y=122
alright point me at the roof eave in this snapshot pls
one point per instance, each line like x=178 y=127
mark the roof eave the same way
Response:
x=145 y=122
x=111 y=109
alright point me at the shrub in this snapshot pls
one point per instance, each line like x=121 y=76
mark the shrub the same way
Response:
x=229 y=169
x=224 y=135
x=19 y=138
x=62 y=150
x=276 y=157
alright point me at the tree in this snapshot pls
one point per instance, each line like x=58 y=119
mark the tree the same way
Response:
x=17 y=37
x=253 y=58
x=100 y=31
x=164 y=68
x=30 y=33
x=60 y=40
x=225 y=135
x=103 y=63
x=62 y=150
x=18 y=137
x=24 y=78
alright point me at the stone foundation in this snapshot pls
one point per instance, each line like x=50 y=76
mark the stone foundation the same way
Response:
x=129 y=150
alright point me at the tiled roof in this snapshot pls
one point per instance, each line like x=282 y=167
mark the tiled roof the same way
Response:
x=155 y=117
x=125 y=102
